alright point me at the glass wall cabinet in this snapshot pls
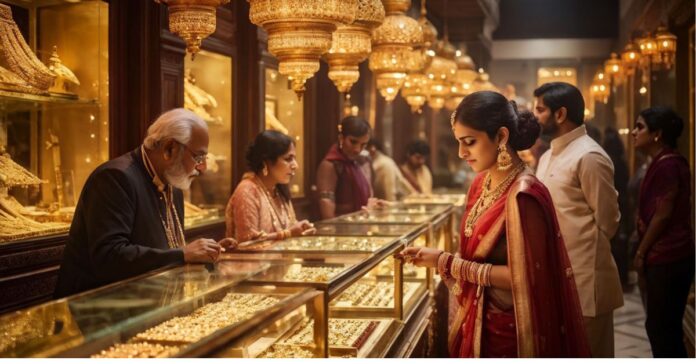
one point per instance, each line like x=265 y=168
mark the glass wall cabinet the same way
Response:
x=208 y=93
x=284 y=112
x=54 y=127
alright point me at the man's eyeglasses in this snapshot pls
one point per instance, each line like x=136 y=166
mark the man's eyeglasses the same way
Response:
x=197 y=158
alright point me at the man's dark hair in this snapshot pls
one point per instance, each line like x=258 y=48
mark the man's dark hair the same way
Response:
x=418 y=147
x=376 y=143
x=560 y=94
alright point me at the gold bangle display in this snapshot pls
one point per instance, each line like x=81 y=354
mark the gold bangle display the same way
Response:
x=311 y=274
x=233 y=308
x=138 y=350
x=342 y=333
x=373 y=294
x=286 y=352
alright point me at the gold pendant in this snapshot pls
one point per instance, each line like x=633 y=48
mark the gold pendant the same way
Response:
x=457 y=289
x=468 y=231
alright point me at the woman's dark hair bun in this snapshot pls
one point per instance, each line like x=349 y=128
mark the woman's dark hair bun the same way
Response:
x=528 y=130
x=489 y=111
x=268 y=145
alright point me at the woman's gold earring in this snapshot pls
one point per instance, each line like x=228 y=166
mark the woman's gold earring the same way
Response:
x=504 y=158
x=657 y=139
x=265 y=170
x=340 y=145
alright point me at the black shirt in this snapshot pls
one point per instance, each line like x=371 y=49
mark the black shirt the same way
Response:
x=117 y=231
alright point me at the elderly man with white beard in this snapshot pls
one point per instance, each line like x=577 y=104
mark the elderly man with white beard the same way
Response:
x=129 y=218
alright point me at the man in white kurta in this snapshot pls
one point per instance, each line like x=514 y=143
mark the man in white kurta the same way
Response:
x=389 y=184
x=580 y=178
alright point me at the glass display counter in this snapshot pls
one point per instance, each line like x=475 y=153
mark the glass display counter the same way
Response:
x=381 y=217
x=329 y=228
x=456 y=199
x=313 y=296
x=187 y=311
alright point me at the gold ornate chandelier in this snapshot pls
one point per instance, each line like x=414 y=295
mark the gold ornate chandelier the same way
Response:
x=352 y=44
x=482 y=82
x=299 y=32
x=600 y=88
x=463 y=80
x=392 y=43
x=416 y=88
x=192 y=20
x=416 y=91
x=630 y=57
x=441 y=72
x=666 y=47
x=613 y=68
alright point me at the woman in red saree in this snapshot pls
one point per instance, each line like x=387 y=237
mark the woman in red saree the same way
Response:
x=512 y=278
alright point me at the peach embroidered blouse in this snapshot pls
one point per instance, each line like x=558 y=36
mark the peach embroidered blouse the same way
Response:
x=249 y=212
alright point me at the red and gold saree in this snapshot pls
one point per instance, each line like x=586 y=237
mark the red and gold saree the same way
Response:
x=545 y=319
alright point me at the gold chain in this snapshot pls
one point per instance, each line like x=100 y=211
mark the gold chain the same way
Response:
x=172 y=225
x=487 y=198
x=278 y=223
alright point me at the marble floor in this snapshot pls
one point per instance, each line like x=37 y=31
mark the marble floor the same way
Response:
x=630 y=338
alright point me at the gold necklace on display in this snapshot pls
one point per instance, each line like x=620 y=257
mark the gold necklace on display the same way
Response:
x=277 y=222
x=487 y=197
x=170 y=222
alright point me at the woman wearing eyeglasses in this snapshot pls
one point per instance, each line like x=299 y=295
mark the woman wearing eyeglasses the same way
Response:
x=260 y=206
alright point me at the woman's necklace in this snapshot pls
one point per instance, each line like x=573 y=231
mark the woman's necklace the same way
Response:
x=170 y=222
x=487 y=197
x=276 y=216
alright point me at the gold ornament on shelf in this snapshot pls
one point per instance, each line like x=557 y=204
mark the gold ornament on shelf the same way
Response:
x=18 y=57
x=192 y=20
x=198 y=100
x=11 y=82
x=64 y=76
x=351 y=44
x=14 y=175
x=392 y=43
x=299 y=32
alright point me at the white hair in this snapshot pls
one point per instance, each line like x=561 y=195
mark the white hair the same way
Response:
x=175 y=124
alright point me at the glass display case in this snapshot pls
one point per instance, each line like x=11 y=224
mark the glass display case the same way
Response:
x=186 y=311
x=285 y=113
x=208 y=93
x=54 y=107
x=329 y=228
x=456 y=199
x=365 y=286
x=381 y=217
x=364 y=302
x=414 y=208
